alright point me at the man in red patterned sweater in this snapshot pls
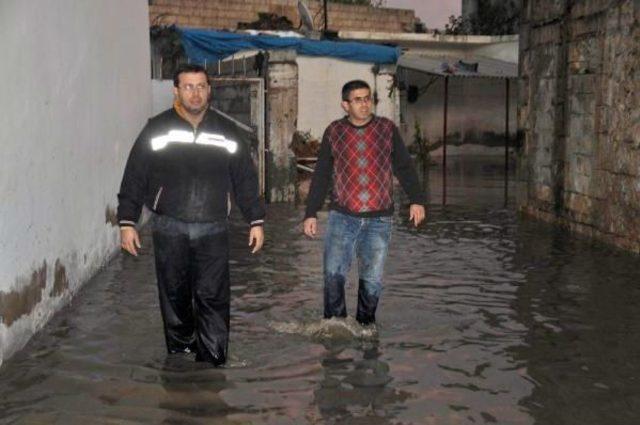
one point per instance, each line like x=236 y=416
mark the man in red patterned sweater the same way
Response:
x=358 y=157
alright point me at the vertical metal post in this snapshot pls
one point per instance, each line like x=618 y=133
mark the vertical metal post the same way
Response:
x=444 y=141
x=506 y=143
x=326 y=17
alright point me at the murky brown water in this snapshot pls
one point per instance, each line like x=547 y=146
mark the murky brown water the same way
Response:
x=485 y=318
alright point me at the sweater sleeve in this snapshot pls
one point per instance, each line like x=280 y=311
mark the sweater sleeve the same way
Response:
x=134 y=182
x=404 y=170
x=322 y=176
x=244 y=182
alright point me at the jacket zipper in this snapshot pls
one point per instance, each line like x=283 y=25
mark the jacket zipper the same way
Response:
x=155 y=202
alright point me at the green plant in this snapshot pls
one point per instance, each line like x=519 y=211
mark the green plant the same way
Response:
x=421 y=148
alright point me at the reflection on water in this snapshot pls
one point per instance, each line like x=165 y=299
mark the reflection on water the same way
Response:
x=485 y=318
x=355 y=387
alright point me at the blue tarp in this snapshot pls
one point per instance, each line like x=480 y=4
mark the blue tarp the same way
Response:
x=211 y=46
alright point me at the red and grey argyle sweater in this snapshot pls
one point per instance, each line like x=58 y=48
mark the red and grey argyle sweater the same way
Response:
x=359 y=164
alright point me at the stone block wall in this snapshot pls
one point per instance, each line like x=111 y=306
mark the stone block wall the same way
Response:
x=580 y=116
x=225 y=14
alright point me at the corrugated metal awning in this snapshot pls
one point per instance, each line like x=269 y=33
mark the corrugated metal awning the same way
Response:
x=470 y=66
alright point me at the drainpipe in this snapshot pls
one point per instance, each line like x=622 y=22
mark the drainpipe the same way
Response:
x=506 y=143
x=444 y=141
x=326 y=18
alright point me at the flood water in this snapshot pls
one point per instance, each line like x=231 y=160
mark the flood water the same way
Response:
x=485 y=318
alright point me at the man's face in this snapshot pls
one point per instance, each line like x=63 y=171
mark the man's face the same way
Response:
x=193 y=91
x=358 y=107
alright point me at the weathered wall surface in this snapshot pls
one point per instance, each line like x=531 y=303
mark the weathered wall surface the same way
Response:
x=320 y=85
x=580 y=113
x=225 y=14
x=282 y=113
x=476 y=113
x=477 y=107
x=76 y=92
x=161 y=95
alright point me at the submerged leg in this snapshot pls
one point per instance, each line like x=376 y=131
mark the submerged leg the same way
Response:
x=339 y=243
x=372 y=247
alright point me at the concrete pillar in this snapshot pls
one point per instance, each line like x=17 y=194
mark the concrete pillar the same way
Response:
x=282 y=113
x=388 y=99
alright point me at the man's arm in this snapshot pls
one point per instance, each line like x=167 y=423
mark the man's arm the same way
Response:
x=405 y=171
x=244 y=181
x=320 y=183
x=132 y=191
x=321 y=179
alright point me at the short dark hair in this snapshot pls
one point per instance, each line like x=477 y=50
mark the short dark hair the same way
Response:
x=351 y=86
x=188 y=67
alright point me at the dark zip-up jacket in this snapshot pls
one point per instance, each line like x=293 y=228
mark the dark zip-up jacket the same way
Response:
x=188 y=173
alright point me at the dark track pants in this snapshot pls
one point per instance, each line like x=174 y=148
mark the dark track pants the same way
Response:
x=192 y=268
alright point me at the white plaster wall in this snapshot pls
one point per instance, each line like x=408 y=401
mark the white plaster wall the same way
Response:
x=76 y=92
x=503 y=48
x=320 y=82
x=507 y=51
x=476 y=106
x=162 y=95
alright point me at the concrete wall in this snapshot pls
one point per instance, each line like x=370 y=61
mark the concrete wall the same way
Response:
x=320 y=85
x=504 y=48
x=161 y=95
x=476 y=118
x=476 y=113
x=225 y=14
x=76 y=92
x=580 y=113
x=505 y=51
x=282 y=113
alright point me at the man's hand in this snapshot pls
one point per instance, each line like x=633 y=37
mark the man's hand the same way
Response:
x=256 y=238
x=129 y=240
x=310 y=227
x=416 y=214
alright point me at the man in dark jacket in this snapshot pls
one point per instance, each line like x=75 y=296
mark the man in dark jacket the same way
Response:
x=358 y=157
x=184 y=166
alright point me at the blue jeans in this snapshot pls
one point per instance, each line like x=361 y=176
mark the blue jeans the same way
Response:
x=368 y=238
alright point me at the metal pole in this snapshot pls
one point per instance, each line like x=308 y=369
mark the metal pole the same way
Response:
x=326 y=17
x=506 y=143
x=444 y=142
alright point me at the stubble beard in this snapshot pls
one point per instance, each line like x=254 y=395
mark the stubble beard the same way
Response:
x=195 y=111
